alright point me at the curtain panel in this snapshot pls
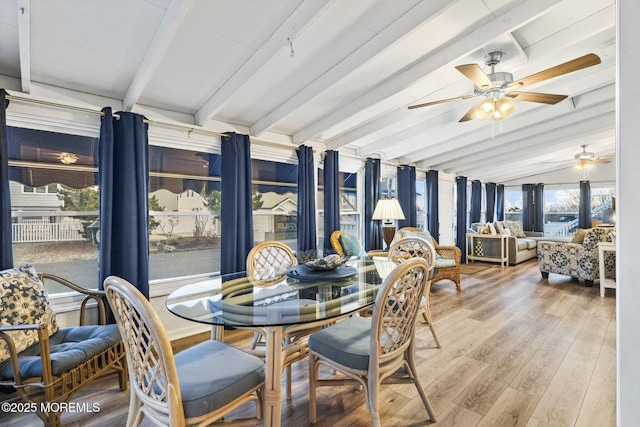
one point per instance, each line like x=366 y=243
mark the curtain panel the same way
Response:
x=475 y=213
x=500 y=202
x=407 y=195
x=372 y=229
x=123 y=165
x=236 y=211
x=584 y=206
x=528 y=207
x=433 y=218
x=533 y=207
x=461 y=215
x=6 y=239
x=490 y=189
x=331 y=174
x=538 y=197
x=306 y=219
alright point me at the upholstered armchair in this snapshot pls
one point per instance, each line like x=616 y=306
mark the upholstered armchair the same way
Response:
x=577 y=259
x=448 y=262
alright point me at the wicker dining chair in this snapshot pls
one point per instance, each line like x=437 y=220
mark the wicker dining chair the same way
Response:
x=449 y=268
x=368 y=351
x=416 y=247
x=267 y=265
x=196 y=386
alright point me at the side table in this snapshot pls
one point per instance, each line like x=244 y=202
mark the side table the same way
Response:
x=503 y=259
x=604 y=281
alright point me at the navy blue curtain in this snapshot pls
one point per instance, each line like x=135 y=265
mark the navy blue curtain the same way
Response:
x=306 y=219
x=236 y=211
x=331 y=174
x=433 y=218
x=123 y=165
x=490 y=188
x=528 y=207
x=584 y=208
x=372 y=229
x=538 y=198
x=461 y=215
x=407 y=195
x=475 y=213
x=500 y=202
x=6 y=240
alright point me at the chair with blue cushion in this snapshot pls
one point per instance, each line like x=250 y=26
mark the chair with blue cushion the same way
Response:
x=449 y=257
x=368 y=351
x=412 y=247
x=45 y=364
x=196 y=386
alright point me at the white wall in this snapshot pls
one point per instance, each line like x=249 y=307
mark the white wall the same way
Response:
x=628 y=211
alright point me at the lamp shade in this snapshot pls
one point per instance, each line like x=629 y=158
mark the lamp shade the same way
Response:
x=388 y=209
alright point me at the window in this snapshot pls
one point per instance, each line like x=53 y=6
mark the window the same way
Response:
x=184 y=212
x=349 y=214
x=275 y=201
x=421 y=203
x=54 y=200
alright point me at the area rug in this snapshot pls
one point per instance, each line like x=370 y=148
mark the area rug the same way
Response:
x=473 y=268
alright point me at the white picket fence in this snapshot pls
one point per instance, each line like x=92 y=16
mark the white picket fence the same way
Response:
x=32 y=231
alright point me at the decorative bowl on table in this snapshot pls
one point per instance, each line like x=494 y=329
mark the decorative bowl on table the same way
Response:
x=311 y=260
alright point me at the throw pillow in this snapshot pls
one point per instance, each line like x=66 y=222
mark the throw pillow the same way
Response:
x=351 y=245
x=500 y=227
x=23 y=301
x=506 y=231
x=516 y=228
x=492 y=229
x=579 y=236
x=424 y=234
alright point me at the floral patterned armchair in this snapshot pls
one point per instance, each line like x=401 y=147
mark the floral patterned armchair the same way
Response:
x=578 y=260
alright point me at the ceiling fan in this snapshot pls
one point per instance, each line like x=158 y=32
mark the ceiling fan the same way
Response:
x=587 y=158
x=499 y=88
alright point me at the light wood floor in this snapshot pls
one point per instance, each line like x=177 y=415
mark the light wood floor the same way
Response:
x=517 y=350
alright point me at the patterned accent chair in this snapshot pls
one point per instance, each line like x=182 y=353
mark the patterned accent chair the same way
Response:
x=578 y=260
x=448 y=263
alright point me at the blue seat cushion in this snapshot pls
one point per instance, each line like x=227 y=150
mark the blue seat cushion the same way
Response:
x=347 y=342
x=213 y=374
x=445 y=263
x=69 y=347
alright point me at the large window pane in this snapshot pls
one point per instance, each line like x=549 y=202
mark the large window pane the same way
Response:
x=184 y=213
x=349 y=214
x=54 y=203
x=275 y=201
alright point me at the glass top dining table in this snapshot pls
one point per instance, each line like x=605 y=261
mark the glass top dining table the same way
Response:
x=299 y=300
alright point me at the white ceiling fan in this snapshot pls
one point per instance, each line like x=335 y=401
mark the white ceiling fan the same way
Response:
x=499 y=88
x=587 y=158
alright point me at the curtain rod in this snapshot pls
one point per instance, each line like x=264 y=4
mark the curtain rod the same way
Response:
x=189 y=129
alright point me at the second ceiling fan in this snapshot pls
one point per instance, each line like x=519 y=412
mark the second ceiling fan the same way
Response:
x=499 y=88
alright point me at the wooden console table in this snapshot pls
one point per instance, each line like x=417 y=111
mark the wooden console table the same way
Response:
x=503 y=259
x=604 y=281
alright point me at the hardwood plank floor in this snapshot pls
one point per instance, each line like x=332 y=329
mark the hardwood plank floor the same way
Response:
x=517 y=350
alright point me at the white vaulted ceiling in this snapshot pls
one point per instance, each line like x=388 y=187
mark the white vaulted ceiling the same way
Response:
x=333 y=72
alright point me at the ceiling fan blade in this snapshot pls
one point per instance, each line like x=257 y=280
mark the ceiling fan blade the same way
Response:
x=544 y=98
x=442 y=101
x=474 y=73
x=470 y=113
x=565 y=68
x=600 y=160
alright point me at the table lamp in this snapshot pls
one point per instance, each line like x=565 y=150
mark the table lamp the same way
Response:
x=388 y=210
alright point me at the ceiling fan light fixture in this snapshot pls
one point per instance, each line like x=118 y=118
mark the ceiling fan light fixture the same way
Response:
x=504 y=107
x=584 y=165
